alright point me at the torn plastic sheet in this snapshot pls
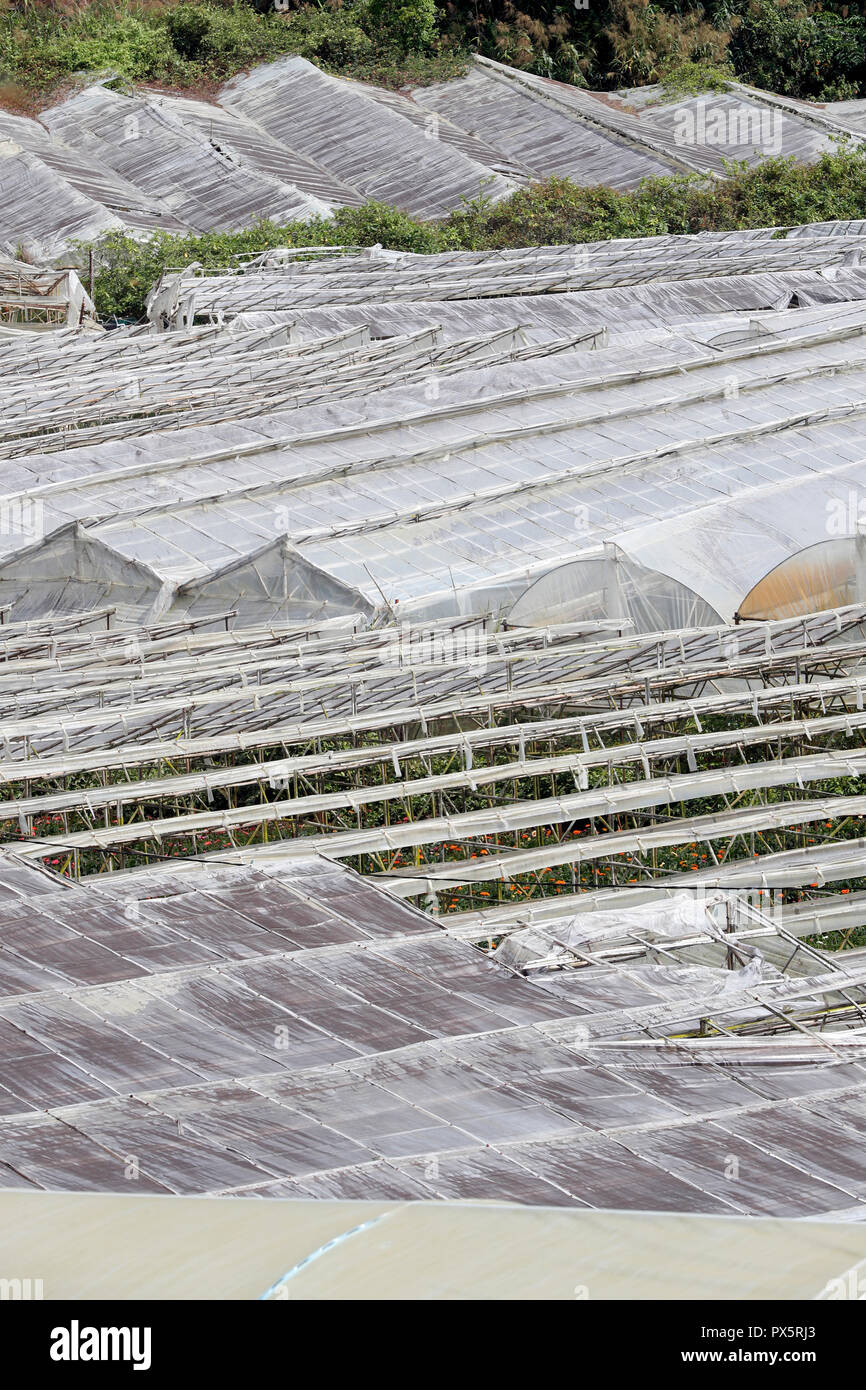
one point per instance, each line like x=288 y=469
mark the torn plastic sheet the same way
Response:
x=678 y=916
x=687 y=981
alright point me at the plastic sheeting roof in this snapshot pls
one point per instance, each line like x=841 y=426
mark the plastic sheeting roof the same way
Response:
x=288 y=141
x=297 y=1033
x=684 y=133
x=653 y=473
x=275 y=680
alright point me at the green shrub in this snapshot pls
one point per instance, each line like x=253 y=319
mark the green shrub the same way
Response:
x=332 y=38
x=188 y=27
x=377 y=223
x=409 y=24
x=792 y=47
x=774 y=192
x=690 y=79
x=39 y=53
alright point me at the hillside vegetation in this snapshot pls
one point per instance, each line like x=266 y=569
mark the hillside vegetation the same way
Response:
x=808 y=48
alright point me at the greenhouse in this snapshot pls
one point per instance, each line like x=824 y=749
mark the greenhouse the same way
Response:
x=288 y=141
x=432 y=693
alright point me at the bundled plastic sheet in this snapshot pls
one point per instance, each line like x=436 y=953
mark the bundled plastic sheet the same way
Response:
x=679 y=916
